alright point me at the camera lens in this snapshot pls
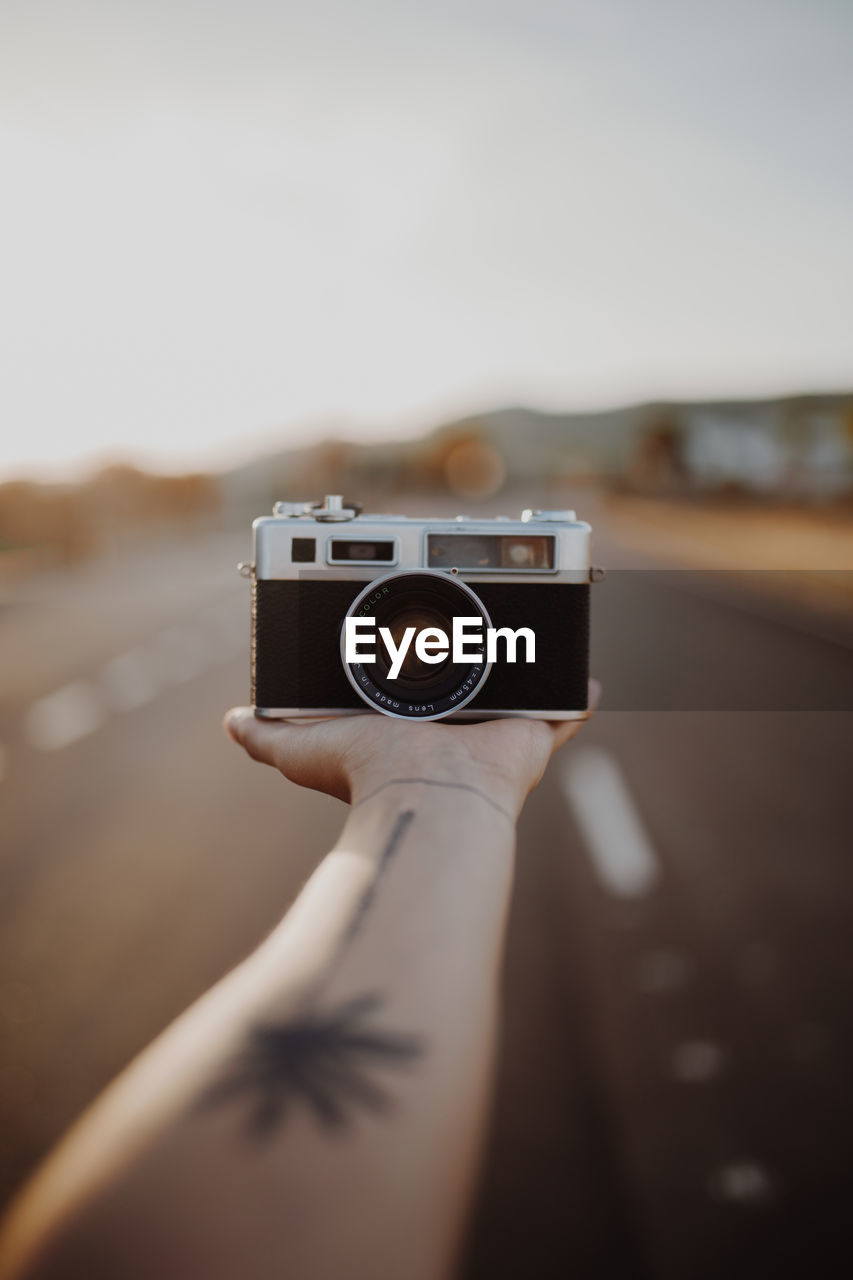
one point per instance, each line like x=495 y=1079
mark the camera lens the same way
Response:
x=422 y=600
x=414 y=669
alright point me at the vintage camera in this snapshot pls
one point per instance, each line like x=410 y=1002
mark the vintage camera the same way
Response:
x=315 y=565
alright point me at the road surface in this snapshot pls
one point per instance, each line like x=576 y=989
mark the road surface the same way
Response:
x=673 y=1098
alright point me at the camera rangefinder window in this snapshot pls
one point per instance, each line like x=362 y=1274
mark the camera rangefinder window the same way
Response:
x=489 y=551
x=344 y=549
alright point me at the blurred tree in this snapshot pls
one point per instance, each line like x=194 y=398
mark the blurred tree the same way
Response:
x=46 y=517
x=71 y=521
x=656 y=464
x=459 y=457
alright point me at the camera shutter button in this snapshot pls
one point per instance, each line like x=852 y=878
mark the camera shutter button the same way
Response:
x=333 y=509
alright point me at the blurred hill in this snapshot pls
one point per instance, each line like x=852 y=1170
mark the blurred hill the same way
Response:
x=791 y=449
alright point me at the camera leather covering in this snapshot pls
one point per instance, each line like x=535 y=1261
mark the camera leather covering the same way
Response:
x=296 y=660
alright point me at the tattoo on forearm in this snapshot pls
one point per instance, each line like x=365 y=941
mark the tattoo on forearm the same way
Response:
x=433 y=782
x=324 y=1059
x=392 y=844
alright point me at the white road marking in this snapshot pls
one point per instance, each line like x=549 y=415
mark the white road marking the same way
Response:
x=132 y=679
x=622 y=854
x=63 y=717
x=129 y=680
x=697 y=1061
x=744 y=1182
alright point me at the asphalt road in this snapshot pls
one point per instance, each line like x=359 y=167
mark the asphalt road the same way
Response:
x=674 y=1091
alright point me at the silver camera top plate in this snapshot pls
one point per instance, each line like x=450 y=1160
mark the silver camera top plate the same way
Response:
x=298 y=542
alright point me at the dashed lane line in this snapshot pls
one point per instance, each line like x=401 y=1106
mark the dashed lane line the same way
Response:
x=619 y=847
x=130 y=680
x=697 y=1061
x=746 y=1182
x=70 y=713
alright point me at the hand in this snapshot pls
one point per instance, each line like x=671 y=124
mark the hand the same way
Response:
x=349 y=756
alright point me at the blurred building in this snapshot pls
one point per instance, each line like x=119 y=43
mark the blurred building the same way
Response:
x=797 y=452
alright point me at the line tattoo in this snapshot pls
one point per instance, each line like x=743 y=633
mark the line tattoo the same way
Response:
x=434 y=782
x=323 y=1059
x=367 y=899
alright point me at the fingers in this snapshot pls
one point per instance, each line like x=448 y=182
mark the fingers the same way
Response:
x=306 y=754
x=273 y=742
x=255 y=735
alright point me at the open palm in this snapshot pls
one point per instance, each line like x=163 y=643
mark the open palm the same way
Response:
x=348 y=755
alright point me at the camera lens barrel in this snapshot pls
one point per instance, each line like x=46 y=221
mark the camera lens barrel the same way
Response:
x=416 y=599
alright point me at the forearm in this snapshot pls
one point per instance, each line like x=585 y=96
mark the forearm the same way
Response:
x=319 y=1112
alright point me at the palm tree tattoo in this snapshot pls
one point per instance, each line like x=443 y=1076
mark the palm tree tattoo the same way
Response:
x=322 y=1059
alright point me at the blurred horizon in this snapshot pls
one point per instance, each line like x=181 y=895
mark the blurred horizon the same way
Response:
x=233 y=228
x=246 y=452
x=761 y=482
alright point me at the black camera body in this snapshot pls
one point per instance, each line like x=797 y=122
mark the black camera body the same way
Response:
x=315 y=566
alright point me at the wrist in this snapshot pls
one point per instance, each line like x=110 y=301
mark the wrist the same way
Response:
x=426 y=773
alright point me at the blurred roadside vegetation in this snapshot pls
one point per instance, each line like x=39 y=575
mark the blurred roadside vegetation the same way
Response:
x=50 y=524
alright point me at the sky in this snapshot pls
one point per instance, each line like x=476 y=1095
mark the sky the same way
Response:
x=228 y=226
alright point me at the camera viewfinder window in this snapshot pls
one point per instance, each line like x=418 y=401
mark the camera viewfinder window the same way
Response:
x=490 y=551
x=303 y=550
x=345 y=549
